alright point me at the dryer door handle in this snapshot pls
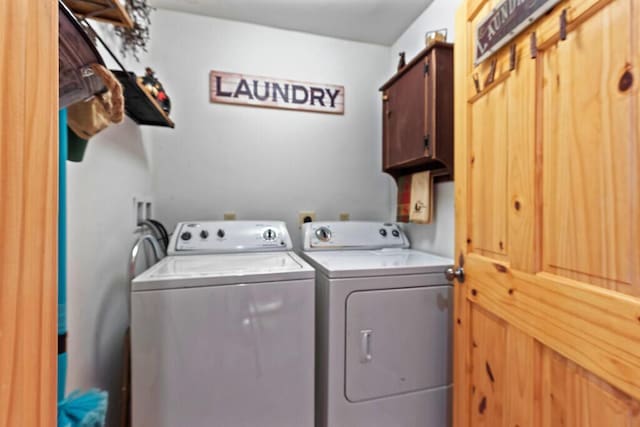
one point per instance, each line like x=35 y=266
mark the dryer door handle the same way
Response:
x=365 y=346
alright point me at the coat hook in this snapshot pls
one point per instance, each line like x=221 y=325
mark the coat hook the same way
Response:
x=534 y=46
x=512 y=57
x=563 y=25
x=492 y=72
x=476 y=82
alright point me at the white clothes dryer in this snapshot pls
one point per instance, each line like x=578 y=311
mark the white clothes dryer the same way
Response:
x=223 y=330
x=384 y=328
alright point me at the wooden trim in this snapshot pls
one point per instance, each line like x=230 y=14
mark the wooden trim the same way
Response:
x=424 y=52
x=462 y=307
x=109 y=11
x=28 y=216
x=596 y=328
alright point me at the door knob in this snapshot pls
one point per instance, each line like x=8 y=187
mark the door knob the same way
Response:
x=452 y=273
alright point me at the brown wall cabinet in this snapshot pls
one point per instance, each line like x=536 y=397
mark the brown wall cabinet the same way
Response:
x=417 y=115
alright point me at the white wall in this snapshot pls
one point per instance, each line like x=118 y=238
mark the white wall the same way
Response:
x=100 y=236
x=101 y=223
x=265 y=163
x=437 y=237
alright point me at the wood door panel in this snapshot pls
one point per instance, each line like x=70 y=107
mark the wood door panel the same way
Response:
x=573 y=397
x=28 y=213
x=488 y=165
x=488 y=356
x=597 y=330
x=589 y=164
x=555 y=313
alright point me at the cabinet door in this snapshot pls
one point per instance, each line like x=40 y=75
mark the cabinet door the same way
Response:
x=429 y=104
x=404 y=119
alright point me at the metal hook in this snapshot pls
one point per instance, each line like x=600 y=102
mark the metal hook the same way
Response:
x=476 y=81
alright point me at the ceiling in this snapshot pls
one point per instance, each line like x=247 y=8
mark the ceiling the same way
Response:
x=371 y=21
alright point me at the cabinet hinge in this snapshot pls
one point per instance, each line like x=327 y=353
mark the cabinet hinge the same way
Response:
x=427 y=143
x=426 y=68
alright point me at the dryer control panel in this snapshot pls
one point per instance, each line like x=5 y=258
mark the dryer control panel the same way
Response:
x=207 y=237
x=345 y=235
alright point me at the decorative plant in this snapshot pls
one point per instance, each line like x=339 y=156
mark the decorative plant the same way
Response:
x=134 y=40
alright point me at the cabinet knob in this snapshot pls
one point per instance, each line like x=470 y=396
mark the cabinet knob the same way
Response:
x=385 y=97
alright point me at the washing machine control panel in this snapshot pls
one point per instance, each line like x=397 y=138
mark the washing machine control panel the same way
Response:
x=352 y=235
x=203 y=237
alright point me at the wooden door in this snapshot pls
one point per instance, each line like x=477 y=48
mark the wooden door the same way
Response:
x=28 y=211
x=547 y=320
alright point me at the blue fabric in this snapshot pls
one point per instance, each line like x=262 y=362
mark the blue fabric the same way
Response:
x=83 y=409
x=62 y=247
x=62 y=375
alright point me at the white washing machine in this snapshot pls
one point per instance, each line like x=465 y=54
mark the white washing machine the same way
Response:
x=384 y=325
x=223 y=330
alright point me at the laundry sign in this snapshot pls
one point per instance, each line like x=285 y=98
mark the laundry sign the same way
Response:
x=243 y=89
x=505 y=22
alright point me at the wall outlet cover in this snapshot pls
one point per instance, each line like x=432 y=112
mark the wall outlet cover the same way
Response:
x=142 y=208
x=344 y=216
x=306 y=216
x=229 y=216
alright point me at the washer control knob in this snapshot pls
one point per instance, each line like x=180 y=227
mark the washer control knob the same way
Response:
x=185 y=236
x=323 y=234
x=395 y=233
x=383 y=232
x=220 y=233
x=269 y=234
x=204 y=234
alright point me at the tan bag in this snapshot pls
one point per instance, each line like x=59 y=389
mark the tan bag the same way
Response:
x=90 y=117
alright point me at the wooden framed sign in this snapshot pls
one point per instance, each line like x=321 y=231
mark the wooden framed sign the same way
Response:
x=505 y=22
x=243 y=89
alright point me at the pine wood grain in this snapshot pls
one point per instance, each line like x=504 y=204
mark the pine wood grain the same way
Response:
x=28 y=217
x=556 y=314
x=588 y=217
x=461 y=306
x=488 y=166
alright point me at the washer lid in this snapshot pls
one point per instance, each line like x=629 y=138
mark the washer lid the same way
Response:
x=222 y=269
x=383 y=262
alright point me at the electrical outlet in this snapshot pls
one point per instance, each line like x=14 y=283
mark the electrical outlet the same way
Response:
x=344 y=216
x=229 y=216
x=142 y=208
x=306 y=216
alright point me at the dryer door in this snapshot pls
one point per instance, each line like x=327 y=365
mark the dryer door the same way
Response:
x=397 y=341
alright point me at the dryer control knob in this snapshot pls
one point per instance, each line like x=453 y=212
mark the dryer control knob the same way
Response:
x=269 y=234
x=323 y=234
x=383 y=232
x=395 y=233
x=204 y=234
x=185 y=236
x=220 y=233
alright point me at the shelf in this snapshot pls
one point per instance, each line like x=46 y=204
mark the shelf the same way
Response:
x=110 y=11
x=140 y=106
